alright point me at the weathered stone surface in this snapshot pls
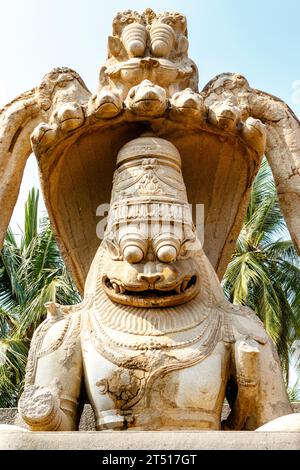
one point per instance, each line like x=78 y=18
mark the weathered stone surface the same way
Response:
x=284 y=423
x=133 y=440
x=10 y=416
x=12 y=428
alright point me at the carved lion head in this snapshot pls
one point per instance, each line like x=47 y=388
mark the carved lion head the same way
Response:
x=150 y=241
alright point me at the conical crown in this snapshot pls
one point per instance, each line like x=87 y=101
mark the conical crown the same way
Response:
x=148 y=183
x=148 y=146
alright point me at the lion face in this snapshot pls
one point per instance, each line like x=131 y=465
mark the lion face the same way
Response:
x=150 y=242
x=158 y=273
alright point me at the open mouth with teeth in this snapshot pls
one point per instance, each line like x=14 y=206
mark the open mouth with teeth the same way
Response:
x=145 y=103
x=146 y=100
x=188 y=107
x=138 y=296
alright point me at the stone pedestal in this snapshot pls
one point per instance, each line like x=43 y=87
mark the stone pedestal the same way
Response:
x=148 y=440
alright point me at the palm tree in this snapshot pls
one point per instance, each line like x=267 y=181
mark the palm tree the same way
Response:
x=32 y=272
x=294 y=391
x=264 y=271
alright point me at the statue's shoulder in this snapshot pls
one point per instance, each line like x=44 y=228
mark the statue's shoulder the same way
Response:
x=246 y=324
x=61 y=323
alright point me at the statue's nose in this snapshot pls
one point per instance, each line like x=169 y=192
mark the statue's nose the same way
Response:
x=151 y=279
x=150 y=275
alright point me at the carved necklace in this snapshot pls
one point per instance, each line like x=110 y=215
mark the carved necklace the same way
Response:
x=106 y=335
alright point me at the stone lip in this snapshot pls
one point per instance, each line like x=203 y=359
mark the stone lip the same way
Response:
x=88 y=439
x=149 y=440
x=87 y=420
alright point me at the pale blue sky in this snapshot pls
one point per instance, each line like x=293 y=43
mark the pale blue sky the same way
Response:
x=259 y=39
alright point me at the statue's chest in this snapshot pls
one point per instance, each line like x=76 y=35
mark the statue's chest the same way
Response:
x=147 y=379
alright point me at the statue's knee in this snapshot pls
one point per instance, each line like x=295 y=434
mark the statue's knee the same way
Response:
x=40 y=408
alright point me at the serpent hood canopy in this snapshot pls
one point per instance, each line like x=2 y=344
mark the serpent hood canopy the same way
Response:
x=148 y=83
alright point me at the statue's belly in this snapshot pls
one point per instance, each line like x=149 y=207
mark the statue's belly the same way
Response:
x=151 y=391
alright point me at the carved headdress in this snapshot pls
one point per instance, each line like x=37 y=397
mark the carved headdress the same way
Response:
x=148 y=188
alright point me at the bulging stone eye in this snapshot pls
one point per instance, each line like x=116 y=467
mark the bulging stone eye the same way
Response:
x=133 y=247
x=133 y=254
x=166 y=253
x=166 y=247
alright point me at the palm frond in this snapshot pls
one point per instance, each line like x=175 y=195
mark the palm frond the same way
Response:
x=264 y=270
x=294 y=391
x=31 y=274
x=13 y=357
x=31 y=218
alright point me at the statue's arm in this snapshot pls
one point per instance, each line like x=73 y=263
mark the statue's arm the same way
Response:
x=272 y=400
x=260 y=392
x=50 y=399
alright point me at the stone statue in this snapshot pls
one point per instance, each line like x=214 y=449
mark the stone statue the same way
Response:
x=154 y=344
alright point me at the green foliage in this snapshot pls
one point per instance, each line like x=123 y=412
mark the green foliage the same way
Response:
x=294 y=392
x=264 y=271
x=32 y=273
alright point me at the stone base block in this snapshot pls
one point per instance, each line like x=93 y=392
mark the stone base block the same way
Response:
x=149 y=440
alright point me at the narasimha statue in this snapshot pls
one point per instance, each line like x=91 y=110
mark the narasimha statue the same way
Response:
x=154 y=345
